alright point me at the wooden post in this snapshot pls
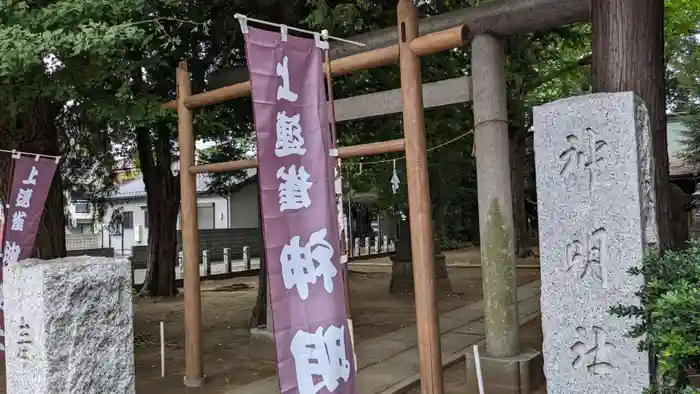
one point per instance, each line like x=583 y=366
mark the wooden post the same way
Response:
x=495 y=196
x=194 y=376
x=420 y=210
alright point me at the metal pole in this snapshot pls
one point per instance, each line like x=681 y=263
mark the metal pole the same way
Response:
x=419 y=203
x=194 y=375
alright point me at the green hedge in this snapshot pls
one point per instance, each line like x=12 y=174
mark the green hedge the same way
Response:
x=669 y=316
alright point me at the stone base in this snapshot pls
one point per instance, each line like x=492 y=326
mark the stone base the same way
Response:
x=520 y=374
x=262 y=333
x=194 y=383
x=402 y=276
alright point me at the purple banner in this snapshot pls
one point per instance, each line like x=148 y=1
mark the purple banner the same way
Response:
x=31 y=181
x=300 y=222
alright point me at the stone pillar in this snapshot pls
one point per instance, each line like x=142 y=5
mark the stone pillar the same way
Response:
x=207 y=263
x=385 y=244
x=69 y=326
x=227 y=260
x=505 y=369
x=376 y=244
x=357 y=247
x=246 y=258
x=495 y=196
x=402 y=280
x=596 y=199
x=180 y=264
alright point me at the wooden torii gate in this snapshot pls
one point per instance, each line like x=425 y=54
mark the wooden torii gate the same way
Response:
x=504 y=17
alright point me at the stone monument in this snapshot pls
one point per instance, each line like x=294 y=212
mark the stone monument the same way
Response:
x=595 y=196
x=402 y=265
x=69 y=326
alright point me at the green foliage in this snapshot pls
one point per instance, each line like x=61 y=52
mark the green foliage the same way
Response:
x=682 y=30
x=55 y=50
x=669 y=314
x=691 y=137
x=683 y=71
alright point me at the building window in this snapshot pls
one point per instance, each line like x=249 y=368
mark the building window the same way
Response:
x=82 y=206
x=128 y=220
x=145 y=216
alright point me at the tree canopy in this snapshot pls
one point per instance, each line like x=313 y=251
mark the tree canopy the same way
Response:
x=94 y=73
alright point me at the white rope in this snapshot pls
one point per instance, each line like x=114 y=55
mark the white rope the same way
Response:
x=457 y=138
x=243 y=20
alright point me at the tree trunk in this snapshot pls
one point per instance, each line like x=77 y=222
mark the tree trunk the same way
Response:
x=51 y=237
x=163 y=199
x=162 y=243
x=628 y=55
x=517 y=179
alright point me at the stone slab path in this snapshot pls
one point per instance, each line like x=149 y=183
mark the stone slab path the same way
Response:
x=389 y=364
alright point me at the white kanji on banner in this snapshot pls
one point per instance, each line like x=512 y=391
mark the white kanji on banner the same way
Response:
x=322 y=355
x=301 y=265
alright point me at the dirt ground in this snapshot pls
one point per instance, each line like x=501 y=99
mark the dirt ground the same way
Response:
x=233 y=359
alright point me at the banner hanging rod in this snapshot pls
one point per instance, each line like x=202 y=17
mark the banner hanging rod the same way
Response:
x=243 y=19
x=16 y=154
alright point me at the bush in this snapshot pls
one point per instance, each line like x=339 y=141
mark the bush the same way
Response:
x=669 y=316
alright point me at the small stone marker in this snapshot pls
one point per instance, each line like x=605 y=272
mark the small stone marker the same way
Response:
x=227 y=260
x=385 y=244
x=392 y=246
x=69 y=326
x=595 y=200
x=181 y=263
x=246 y=258
x=357 y=247
x=376 y=244
x=367 y=245
x=206 y=262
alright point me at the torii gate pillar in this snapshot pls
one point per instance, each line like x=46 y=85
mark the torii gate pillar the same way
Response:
x=419 y=208
x=505 y=370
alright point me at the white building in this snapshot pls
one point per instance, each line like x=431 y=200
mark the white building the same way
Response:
x=238 y=209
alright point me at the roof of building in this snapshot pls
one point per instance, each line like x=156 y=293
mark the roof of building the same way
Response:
x=136 y=188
